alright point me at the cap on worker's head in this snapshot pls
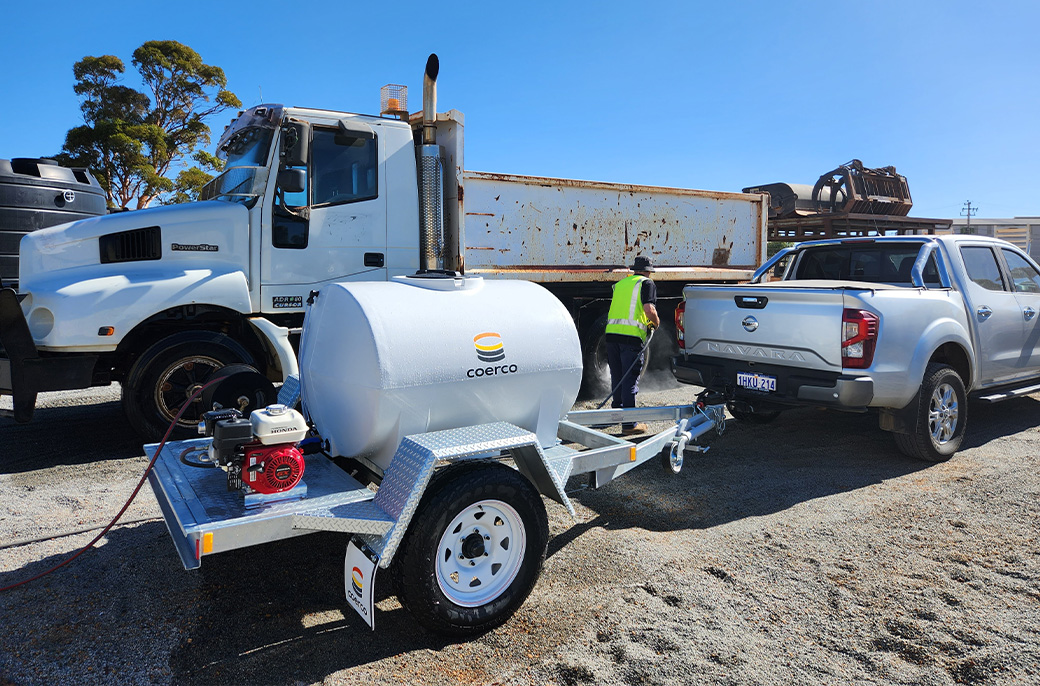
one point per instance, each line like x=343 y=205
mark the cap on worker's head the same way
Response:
x=643 y=264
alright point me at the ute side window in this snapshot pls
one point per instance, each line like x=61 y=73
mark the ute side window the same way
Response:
x=981 y=265
x=1024 y=276
x=343 y=167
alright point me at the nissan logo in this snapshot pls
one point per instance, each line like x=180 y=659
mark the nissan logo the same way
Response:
x=749 y=323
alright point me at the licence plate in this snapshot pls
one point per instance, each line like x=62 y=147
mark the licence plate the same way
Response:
x=756 y=382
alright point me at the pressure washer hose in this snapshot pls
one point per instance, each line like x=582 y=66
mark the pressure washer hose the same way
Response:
x=133 y=495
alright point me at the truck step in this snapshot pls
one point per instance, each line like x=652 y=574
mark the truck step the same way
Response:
x=1008 y=393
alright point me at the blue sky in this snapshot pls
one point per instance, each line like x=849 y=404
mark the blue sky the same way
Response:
x=702 y=95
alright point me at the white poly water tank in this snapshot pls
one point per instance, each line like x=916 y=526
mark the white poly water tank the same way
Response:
x=382 y=360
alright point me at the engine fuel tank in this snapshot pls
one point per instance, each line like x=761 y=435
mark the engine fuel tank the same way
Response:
x=382 y=360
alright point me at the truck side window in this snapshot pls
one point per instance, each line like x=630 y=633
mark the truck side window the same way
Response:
x=981 y=266
x=1024 y=276
x=342 y=173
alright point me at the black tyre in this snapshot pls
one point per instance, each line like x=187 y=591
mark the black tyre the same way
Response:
x=746 y=414
x=474 y=550
x=165 y=376
x=942 y=416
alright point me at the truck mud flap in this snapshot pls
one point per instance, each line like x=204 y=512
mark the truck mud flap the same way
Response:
x=23 y=373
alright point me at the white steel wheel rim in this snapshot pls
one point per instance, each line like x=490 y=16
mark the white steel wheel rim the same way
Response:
x=480 y=553
x=943 y=411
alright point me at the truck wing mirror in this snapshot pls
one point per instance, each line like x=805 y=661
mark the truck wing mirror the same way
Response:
x=296 y=143
x=354 y=133
x=292 y=180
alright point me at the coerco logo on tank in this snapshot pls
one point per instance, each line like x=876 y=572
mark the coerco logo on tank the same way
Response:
x=490 y=350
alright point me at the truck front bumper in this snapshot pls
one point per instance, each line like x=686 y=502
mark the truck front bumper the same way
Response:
x=793 y=386
x=24 y=372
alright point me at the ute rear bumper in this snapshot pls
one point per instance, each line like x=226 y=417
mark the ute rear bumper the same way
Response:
x=23 y=372
x=794 y=386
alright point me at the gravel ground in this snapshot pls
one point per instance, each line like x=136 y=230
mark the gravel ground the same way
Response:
x=808 y=551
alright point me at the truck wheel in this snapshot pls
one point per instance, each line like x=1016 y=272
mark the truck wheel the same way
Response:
x=163 y=378
x=942 y=417
x=750 y=416
x=474 y=551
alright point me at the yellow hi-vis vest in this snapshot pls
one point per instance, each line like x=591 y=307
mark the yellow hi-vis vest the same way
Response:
x=626 y=315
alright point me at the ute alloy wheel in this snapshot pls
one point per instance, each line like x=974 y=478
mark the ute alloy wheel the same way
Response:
x=474 y=550
x=941 y=416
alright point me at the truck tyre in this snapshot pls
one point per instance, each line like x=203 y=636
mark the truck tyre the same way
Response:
x=168 y=372
x=474 y=551
x=941 y=417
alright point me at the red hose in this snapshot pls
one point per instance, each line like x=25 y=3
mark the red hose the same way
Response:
x=133 y=495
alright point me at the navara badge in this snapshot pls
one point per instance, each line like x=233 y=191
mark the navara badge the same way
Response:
x=749 y=323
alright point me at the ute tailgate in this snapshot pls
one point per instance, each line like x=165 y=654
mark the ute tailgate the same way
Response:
x=789 y=326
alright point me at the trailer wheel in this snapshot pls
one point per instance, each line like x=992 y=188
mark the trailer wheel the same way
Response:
x=168 y=372
x=475 y=549
x=942 y=417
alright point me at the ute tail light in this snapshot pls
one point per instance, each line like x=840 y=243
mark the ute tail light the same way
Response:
x=859 y=332
x=680 y=331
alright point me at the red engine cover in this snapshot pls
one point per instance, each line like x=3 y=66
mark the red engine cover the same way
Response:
x=272 y=468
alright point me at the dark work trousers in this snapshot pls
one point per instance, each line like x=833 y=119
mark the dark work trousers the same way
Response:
x=621 y=356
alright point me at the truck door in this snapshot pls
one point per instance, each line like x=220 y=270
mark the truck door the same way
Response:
x=1025 y=280
x=996 y=315
x=335 y=229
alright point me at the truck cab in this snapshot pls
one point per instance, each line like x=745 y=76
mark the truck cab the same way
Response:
x=303 y=200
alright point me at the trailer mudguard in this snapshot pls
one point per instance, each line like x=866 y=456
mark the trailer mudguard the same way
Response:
x=413 y=464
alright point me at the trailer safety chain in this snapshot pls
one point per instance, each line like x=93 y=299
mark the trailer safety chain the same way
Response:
x=716 y=414
x=133 y=495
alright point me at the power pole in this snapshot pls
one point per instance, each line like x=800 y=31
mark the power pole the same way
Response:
x=967 y=211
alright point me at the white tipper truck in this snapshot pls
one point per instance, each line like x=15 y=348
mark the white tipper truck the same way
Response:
x=159 y=299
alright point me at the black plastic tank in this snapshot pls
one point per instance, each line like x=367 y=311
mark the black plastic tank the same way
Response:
x=37 y=193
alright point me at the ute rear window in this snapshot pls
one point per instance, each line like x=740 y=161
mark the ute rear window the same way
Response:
x=868 y=262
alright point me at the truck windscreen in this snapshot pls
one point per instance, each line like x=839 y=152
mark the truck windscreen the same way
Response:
x=247 y=148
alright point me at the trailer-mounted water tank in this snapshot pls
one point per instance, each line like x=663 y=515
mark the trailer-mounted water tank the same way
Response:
x=382 y=360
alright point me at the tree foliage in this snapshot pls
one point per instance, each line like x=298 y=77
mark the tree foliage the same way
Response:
x=135 y=141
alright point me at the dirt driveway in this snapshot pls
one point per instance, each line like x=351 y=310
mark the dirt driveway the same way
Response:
x=808 y=551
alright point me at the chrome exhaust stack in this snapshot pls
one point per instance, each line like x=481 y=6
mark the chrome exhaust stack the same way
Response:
x=431 y=178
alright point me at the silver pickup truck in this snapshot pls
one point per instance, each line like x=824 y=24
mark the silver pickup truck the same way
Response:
x=912 y=326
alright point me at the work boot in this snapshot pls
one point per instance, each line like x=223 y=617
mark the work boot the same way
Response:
x=638 y=428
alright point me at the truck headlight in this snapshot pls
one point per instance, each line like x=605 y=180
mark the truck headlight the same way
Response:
x=41 y=322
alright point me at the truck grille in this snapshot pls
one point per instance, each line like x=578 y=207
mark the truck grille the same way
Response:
x=131 y=246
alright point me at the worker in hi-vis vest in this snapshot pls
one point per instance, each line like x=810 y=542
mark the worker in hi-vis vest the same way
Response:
x=633 y=312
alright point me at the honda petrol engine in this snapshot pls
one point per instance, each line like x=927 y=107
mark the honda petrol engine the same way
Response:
x=260 y=454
